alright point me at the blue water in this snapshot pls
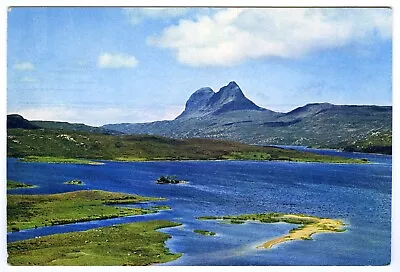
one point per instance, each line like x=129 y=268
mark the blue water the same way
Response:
x=358 y=194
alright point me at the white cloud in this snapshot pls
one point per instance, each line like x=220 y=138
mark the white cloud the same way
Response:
x=24 y=66
x=117 y=60
x=137 y=15
x=233 y=35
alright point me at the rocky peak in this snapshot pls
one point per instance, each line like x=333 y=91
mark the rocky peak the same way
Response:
x=228 y=93
x=205 y=102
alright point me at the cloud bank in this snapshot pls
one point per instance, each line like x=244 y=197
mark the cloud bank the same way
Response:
x=234 y=35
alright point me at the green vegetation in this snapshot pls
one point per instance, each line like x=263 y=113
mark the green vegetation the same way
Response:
x=54 y=145
x=126 y=244
x=374 y=142
x=309 y=225
x=15 y=185
x=29 y=211
x=235 y=221
x=169 y=180
x=48 y=159
x=161 y=208
x=266 y=218
x=65 y=126
x=205 y=232
x=74 y=182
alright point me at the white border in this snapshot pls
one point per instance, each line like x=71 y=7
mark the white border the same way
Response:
x=395 y=265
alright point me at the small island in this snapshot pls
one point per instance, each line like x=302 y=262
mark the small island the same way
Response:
x=17 y=185
x=169 y=180
x=204 y=232
x=309 y=225
x=75 y=182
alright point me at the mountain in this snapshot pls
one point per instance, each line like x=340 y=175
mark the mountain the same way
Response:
x=205 y=102
x=17 y=121
x=228 y=114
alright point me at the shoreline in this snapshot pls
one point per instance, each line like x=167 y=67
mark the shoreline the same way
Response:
x=103 y=161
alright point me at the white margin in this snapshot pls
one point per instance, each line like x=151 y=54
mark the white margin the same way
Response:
x=395 y=265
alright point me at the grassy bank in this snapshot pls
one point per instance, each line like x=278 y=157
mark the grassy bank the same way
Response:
x=16 y=185
x=309 y=225
x=57 y=146
x=49 y=159
x=127 y=244
x=29 y=211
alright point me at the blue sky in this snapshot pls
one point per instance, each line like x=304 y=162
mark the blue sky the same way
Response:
x=112 y=65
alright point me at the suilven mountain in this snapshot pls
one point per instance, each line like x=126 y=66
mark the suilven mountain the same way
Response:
x=228 y=114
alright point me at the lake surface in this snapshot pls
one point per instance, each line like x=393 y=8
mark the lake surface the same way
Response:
x=360 y=194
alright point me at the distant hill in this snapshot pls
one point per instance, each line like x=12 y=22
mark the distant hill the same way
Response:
x=228 y=114
x=73 y=127
x=17 y=121
x=49 y=144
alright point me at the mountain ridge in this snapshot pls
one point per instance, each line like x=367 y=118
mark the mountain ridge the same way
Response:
x=210 y=114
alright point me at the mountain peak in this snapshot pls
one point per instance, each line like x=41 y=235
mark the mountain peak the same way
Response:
x=231 y=91
x=203 y=91
x=233 y=84
x=206 y=102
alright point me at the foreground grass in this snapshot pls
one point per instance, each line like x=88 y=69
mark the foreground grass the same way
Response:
x=16 y=185
x=204 y=232
x=57 y=146
x=126 y=244
x=48 y=159
x=29 y=211
x=309 y=225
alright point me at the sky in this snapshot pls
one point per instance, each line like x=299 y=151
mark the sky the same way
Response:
x=112 y=65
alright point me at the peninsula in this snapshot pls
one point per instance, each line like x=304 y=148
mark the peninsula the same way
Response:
x=309 y=225
x=125 y=244
x=29 y=211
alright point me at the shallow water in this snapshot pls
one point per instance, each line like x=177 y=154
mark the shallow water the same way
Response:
x=360 y=194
